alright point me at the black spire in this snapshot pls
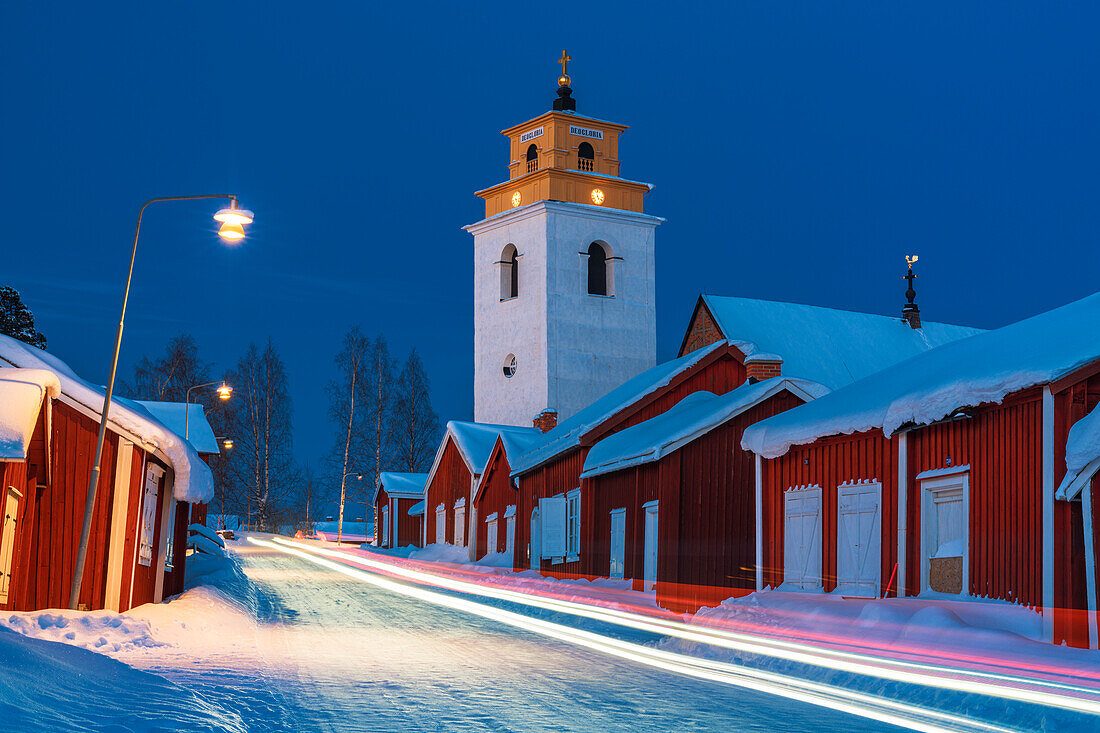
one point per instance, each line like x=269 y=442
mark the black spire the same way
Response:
x=910 y=313
x=564 y=102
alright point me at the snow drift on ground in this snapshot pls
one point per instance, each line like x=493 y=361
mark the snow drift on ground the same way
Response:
x=193 y=480
x=976 y=370
x=22 y=392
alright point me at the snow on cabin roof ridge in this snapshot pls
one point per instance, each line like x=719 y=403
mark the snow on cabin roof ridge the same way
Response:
x=395 y=482
x=931 y=386
x=22 y=394
x=691 y=418
x=200 y=434
x=475 y=440
x=569 y=432
x=831 y=346
x=193 y=481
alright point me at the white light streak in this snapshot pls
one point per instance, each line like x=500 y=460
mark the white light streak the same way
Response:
x=855 y=703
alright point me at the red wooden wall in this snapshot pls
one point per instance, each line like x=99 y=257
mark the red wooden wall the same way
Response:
x=408 y=527
x=556 y=477
x=450 y=482
x=497 y=494
x=628 y=489
x=381 y=499
x=830 y=462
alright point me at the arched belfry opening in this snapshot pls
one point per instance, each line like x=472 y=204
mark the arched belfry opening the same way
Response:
x=586 y=157
x=598 y=273
x=509 y=272
x=532 y=158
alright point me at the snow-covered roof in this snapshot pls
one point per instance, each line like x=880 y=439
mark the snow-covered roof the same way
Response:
x=825 y=345
x=193 y=481
x=22 y=392
x=199 y=433
x=694 y=416
x=475 y=440
x=417 y=509
x=406 y=485
x=569 y=432
x=930 y=387
x=1082 y=454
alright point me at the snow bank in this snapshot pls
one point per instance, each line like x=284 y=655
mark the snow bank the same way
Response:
x=694 y=416
x=569 y=432
x=193 y=481
x=826 y=345
x=930 y=387
x=202 y=529
x=201 y=543
x=22 y=393
x=46 y=686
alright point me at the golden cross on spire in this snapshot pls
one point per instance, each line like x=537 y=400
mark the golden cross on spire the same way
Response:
x=563 y=80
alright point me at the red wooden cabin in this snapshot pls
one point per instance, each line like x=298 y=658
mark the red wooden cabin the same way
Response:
x=940 y=475
x=396 y=495
x=728 y=340
x=449 y=489
x=495 y=497
x=674 y=497
x=139 y=525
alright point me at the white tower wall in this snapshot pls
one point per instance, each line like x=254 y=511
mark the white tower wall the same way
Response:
x=571 y=347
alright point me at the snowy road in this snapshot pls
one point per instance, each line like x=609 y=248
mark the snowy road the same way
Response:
x=332 y=653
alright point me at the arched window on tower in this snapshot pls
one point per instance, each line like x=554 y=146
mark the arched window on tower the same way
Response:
x=532 y=158
x=597 y=269
x=585 y=157
x=509 y=273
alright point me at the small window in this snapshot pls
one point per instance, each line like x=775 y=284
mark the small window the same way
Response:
x=585 y=157
x=597 y=269
x=510 y=366
x=573 y=524
x=532 y=158
x=509 y=273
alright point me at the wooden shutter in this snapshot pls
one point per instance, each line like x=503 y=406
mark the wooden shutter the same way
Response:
x=552 y=512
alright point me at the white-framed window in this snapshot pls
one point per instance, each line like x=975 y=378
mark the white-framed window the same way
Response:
x=945 y=541
x=573 y=525
x=460 y=523
x=149 y=494
x=440 y=524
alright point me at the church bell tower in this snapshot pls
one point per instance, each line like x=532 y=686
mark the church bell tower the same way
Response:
x=563 y=270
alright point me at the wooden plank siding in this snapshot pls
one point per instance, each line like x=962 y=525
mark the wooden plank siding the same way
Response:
x=829 y=462
x=628 y=489
x=496 y=493
x=450 y=482
x=555 y=477
x=381 y=500
x=408 y=527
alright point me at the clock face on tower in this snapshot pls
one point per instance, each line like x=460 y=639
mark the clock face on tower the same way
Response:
x=516 y=199
x=597 y=196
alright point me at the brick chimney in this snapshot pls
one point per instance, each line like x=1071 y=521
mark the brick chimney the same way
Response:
x=546 y=420
x=759 y=367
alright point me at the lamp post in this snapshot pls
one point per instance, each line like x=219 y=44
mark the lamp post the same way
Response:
x=232 y=221
x=224 y=393
x=343 y=486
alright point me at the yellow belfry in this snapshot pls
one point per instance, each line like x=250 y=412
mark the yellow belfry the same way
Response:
x=563 y=156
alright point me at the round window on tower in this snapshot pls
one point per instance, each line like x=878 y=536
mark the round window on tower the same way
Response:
x=510 y=366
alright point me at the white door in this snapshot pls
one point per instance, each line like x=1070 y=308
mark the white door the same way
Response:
x=618 y=544
x=802 y=539
x=7 y=540
x=460 y=526
x=440 y=525
x=859 y=539
x=650 y=573
x=385 y=526
x=491 y=536
x=536 y=544
x=509 y=535
x=394 y=503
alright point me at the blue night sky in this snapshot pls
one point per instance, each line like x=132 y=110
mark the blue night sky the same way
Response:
x=799 y=150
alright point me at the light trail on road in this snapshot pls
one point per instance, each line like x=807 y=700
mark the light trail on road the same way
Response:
x=860 y=704
x=1053 y=694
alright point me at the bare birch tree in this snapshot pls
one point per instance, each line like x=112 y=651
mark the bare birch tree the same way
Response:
x=416 y=426
x=346 y=410
x=379 y=426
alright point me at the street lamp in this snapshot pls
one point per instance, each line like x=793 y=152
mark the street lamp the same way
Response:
x=224 y=393
x=343 y=493
x=232 y=230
